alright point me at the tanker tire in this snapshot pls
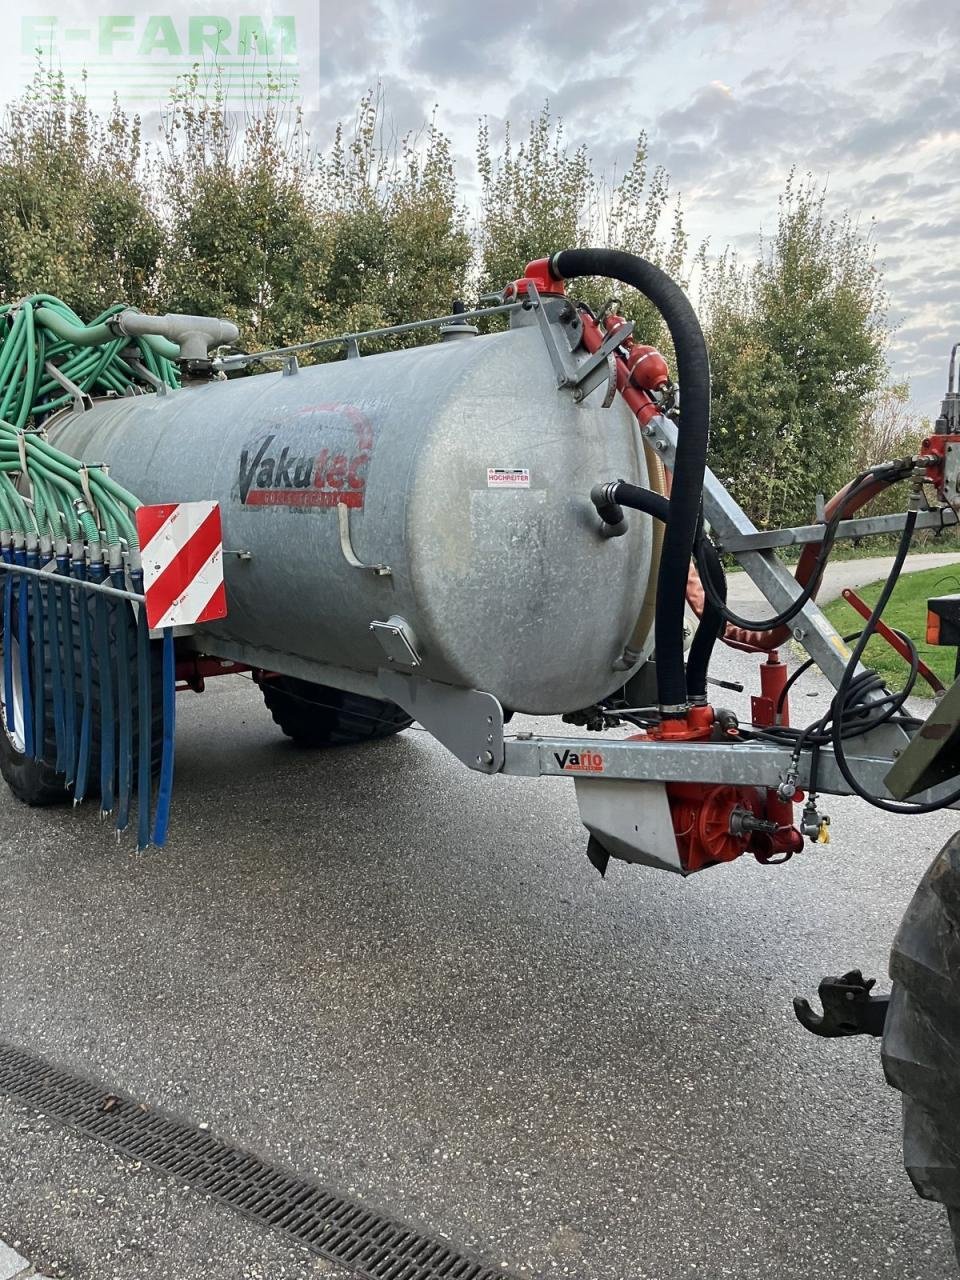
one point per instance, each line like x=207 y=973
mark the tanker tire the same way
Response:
x=33 y=782
x=36 y=782
x=921 y=1038
x=316 y=715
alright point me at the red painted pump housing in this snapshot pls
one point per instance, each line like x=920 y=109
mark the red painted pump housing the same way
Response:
x=718 y=822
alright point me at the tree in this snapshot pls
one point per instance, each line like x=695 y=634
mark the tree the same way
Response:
x=248 y=221
x=396 y=243
x=797 y=345
x=77 y=217
x=242 y=236
x=540 y=197
x=295 y=245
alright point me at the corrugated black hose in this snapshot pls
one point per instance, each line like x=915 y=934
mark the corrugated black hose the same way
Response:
x=608 y=500
x=693 y=374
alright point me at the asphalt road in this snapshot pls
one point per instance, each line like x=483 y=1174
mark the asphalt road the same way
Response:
x=377 y=967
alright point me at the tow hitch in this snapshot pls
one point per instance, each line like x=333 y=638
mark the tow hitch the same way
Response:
x=849 y=1009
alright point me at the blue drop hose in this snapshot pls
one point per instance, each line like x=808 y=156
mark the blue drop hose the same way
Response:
x=108 y=720
x=144 y=720
x=125 y=677
x=165 y=789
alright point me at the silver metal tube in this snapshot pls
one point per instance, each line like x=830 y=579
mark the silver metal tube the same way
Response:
x=749 y=764
x=81 y=584
x=860 y=527
x=345 y=339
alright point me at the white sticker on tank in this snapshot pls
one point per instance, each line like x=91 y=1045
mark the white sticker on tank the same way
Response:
x=508 y=477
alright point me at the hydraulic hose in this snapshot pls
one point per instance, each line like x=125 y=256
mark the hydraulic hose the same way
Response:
x=693 y=370
x=709 y=628
x=764 y=636
x=888 y=806
x=865 y=481
x=608 y=500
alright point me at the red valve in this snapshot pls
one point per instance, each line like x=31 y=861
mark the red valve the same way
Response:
x=647 y=367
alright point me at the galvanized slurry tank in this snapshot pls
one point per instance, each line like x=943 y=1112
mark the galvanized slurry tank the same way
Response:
x=464 y=470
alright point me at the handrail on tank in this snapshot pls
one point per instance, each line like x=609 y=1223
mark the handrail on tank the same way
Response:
x=281 y=353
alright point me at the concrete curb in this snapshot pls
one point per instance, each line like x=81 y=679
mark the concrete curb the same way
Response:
x=13 y=1265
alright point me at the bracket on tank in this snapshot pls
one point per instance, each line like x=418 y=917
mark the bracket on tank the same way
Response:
x=346 y=545
x=599 y=368
x=82 y=400
x=467 y=722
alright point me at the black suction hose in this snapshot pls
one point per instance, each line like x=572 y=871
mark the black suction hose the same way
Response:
x=693 y=374
x=608 y=500
x=709 y=628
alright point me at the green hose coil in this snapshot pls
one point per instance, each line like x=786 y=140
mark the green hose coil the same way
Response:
x=64 y=502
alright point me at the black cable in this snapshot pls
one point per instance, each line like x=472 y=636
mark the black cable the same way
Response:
x=804 y=666
x=888 y=806
x=914 y=661
x=826 y=547
x=855 y=717
x=849 y=715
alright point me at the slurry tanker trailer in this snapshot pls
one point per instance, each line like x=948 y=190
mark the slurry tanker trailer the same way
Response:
x=484 y=525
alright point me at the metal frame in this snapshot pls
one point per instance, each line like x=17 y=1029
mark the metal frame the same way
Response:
x=747 y=763
x=862 y=527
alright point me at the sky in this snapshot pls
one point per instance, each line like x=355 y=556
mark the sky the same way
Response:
x=731 y=93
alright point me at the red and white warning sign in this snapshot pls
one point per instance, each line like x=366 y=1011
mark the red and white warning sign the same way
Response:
x=181 y=544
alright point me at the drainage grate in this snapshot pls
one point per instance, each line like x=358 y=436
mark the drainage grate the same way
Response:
x=371 y=1244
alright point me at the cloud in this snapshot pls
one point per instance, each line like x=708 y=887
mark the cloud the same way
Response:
x=503 y=39
x=926 y=20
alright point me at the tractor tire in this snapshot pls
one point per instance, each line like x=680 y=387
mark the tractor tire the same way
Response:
x=317 y=715
x=37 y=782
x=921 y=1037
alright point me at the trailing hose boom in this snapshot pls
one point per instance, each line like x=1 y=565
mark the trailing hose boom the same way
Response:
x=78 y=662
